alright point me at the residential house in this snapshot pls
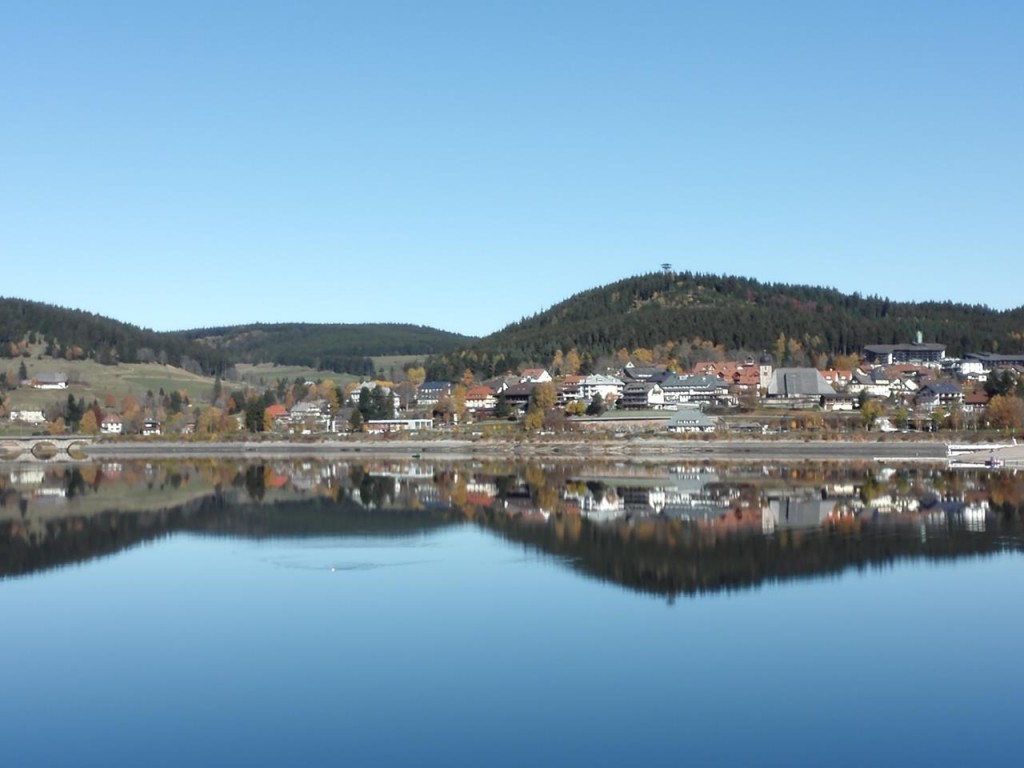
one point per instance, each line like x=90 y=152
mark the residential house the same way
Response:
x=643 y=394
x=975 y=401
x=704 y=389
x=873 y=382
x=311 y=416
x=837 y=379
x=534 y=375
x=151 y=427
x=608 y=387
x=500 y=383
x=388 y=426
x=112 y=424
x=689 y=419
x=518 y=395
x=430 y=392
x=939 y=394
x=28 y=416
x=480 y=398
x=49 y=381
x=370 y=387
x=569 y=388
x=991 y=360
x=741 y=377
x=276 y=415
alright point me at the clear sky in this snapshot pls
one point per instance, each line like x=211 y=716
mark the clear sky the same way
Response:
x=464 y=164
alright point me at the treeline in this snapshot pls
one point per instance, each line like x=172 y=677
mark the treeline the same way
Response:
x=75 y=334
x=733 y=314
x=344 y=348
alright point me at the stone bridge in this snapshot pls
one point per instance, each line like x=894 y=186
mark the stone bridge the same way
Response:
x=45 y=448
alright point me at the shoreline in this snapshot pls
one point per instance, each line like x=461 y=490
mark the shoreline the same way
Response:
x=649 y=449
x=550 y=448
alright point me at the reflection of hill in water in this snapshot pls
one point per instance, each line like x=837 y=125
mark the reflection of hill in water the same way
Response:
x=655 y=555
x=77 y=539
x=669 y=558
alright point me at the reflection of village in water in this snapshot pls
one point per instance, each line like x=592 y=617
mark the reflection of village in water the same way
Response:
x=656 y=527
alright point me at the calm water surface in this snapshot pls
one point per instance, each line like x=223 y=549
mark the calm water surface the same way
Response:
x=239 y=632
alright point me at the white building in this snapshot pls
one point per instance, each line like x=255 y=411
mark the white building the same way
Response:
x=28 y=416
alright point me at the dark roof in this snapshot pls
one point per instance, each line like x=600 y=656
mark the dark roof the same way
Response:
x=646 y=372
x=885 y=349
x=798 y=382
x=521 y=389
x=994 y=358
x=942 y=388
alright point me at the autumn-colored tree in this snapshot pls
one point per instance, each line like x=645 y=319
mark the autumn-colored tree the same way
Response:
x=211 y=421
x=467 y=378
x=1005 y=412
x=643 y=356
x=417 y=374
x=780 y=349
x=129 y=407
x=533 y=420
x=458 y=402
x=870 y=412
x=846 y=362
x=109 y=400
x=56 y=427
x=571 y=364
x=575 y=408
x=557 y=361
x=544 y=395
x=327 y=391
x=88 y=424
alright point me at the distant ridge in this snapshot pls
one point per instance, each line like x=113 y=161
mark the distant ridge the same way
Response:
x=337 y=347
x=346 y=348
x=735 y=314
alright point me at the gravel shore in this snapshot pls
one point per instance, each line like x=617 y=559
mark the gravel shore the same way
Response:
x=553 y=447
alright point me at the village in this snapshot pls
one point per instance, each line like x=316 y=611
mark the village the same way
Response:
x=893 y=388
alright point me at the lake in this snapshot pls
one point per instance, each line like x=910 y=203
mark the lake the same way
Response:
x=410 y=613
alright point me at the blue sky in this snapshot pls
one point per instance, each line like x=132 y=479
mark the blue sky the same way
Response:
x=464 y=164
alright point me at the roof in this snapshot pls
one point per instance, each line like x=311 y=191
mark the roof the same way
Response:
x=886 y=349
x=600 y=379
x=51 y=378
x=524 y=388
x=440 y=386
x=941 y=388
x=798 y=382
x=703 y=381
x=647 y=372
x=691 y=417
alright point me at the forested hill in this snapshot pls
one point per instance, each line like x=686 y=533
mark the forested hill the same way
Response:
x=336 y=347
x=75 y=334
x=685 y=314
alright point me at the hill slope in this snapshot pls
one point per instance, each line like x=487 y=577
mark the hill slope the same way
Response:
x=336 y=347
x=686 y=313
x=76 y=334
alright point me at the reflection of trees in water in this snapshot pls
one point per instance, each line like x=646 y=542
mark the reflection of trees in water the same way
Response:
x=651 y=553
x=670 y=557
